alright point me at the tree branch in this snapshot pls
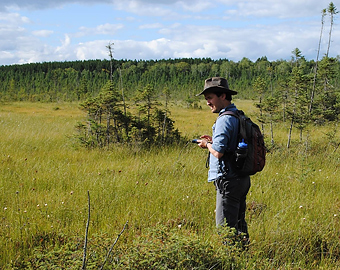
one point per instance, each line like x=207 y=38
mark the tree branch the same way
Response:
x=86 y=233
x=108 y=254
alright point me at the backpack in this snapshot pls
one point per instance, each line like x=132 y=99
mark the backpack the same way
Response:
x=249 y=132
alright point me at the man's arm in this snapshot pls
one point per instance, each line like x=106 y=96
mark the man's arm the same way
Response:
x=207 y=144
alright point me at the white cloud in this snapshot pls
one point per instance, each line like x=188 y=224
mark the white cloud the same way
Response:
x=64 y=44
x=92 y=50
x=231 y=43
x=13 y=18
x=104 y=29
x=274 y=8
x=13 y=34
x=128 y=49
x=146 y=8
x=6 y=56
x=42 y=33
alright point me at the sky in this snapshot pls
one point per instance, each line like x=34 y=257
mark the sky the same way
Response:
x=34 y=31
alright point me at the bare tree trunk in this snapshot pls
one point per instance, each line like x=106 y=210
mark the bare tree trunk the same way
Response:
x=284 y=109
x=165 y=114
x=124 y=104
x=271 y=129
x=292 y=122
x=316 y=63
x=261 y=116
x=164 y=124
x=87 y=231
x=109 y=47
x=108 y=119
x=290 y=133
x=108 y=254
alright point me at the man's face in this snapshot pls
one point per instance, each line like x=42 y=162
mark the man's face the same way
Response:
x=214 y=102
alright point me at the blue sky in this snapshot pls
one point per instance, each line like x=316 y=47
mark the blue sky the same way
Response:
x=67 y=30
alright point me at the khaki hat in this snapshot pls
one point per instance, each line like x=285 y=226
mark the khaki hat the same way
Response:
x=217 y=84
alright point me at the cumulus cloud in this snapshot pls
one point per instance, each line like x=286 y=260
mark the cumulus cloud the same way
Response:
x=217 y=42
x=11 y=32
x=274 y=8
x=13 y=18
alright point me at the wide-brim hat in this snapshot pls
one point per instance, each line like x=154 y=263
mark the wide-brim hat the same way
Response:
x=217 y=84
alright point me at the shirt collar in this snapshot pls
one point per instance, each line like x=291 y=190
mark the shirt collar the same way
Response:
x=228 y=108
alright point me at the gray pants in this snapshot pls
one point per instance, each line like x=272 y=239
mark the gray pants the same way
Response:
x=231 y=202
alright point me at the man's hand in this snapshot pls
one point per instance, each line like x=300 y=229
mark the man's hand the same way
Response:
x=207 y=137
x=204 y=142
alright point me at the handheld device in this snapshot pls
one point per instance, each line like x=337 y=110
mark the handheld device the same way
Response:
x=194 y=141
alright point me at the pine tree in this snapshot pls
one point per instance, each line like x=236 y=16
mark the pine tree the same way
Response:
x=298 y=109
x=298 y=112
x=146 y=103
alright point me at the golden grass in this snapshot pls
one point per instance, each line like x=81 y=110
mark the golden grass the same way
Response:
x=45 y=179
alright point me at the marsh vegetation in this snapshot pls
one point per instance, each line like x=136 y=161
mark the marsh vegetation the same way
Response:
x=293 y=206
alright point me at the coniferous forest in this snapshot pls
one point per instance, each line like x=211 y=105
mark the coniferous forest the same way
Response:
x=315 y=85
x=78 y=80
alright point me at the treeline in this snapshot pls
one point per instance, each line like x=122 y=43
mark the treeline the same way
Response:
x=78 y=80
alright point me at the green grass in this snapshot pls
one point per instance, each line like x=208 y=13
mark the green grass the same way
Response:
x=293 y=205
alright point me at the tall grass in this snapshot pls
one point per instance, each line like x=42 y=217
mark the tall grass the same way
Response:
x=293 y=205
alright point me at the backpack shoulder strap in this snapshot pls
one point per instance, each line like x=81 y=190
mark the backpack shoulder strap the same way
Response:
x=240 y=115
x=229 y=113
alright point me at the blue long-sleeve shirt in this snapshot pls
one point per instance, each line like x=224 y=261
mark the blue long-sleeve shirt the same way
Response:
x=225 y=131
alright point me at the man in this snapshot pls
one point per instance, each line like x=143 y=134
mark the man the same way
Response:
x=231 y=189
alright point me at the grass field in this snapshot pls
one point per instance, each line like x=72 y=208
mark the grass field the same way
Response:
x=293 y=205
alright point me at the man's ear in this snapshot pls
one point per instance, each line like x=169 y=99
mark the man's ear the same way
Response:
x=223 y=95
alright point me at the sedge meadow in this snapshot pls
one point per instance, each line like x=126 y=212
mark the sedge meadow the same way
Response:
x=293 y=207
